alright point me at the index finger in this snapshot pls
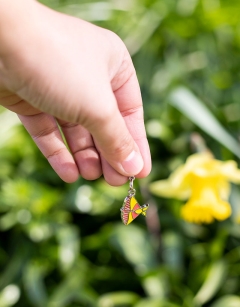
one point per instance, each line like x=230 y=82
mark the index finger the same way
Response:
x=129 y=101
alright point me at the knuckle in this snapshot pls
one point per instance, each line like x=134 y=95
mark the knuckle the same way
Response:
x=114 y=37
x=44 y=132
x=136 y=112
x=96 y=120
x=122 y=147
x=55 y=153
x=68 y=125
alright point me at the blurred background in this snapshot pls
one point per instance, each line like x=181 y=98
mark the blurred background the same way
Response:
x=63 y=245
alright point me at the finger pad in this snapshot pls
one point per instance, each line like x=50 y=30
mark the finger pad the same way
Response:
x=65 y=167
x=111 y=176
x=88 y=163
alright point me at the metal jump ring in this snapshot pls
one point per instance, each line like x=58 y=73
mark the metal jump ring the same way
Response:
x=131 y=192
x=131 y=179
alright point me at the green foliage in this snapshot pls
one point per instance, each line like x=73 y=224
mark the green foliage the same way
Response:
x=63 y=245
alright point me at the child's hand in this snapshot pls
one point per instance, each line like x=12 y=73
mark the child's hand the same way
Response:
x=56 y=68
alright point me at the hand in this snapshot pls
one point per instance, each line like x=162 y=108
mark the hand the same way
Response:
x=56 y=69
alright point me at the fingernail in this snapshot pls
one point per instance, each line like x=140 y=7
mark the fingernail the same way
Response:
x=133 y=164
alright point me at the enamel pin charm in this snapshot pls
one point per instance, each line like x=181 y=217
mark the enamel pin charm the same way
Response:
x=131 y=209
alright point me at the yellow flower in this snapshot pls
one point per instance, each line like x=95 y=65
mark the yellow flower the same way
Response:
x=205 y=181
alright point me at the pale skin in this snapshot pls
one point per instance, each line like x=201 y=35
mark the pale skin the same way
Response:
x=56 y=68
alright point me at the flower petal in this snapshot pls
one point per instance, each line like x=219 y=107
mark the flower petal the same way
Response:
x=165 y=188
x=197 y=214
x=198 y=159
x=224 y=189
x=230 y=170
x=222 y=211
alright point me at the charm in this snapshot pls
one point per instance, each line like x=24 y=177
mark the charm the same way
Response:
x=131 y=209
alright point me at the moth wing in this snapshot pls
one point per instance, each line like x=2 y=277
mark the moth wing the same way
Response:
x=130 y=210
x=125 y=211
x=136 y=209
x=134 y=204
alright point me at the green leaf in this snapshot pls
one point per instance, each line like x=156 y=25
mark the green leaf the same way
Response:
x=182 y=99
x=173 y=250
x=214 y=280
x=234 y=201
x=227 y=301
x=34 y=285
x=126 y=299
x=134 y=244
x=68 y=239
x=155 y=303
x=143 y=31
x=15 y=265
x=156 y=284
x=89 y=11
x=74 y=287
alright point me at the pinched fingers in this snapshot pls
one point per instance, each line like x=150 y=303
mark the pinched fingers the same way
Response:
x=90 y=163
x=84 y=160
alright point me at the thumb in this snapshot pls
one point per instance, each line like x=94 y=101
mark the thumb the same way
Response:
x=113 y=140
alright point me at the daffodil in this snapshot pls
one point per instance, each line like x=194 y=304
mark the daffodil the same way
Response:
x=205 y=182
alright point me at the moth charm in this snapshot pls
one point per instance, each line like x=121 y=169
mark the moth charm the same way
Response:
x=131 y=209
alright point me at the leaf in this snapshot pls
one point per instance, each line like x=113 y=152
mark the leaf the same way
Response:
x=227 y=301
x=34 y=285
x=144 y=30
x=156 y=284
x=74 y=287
x=214 y=280
x=173 y=251
x=155 y=303
x=234 y=201
x=68 y=239
x=89 y=11
x=133 y=243
x=115 y=299
x=182 y=99
x=15 y=265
